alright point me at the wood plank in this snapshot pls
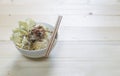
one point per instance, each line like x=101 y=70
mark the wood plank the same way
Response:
x=105 y=2
x=71 y=33
x=21 y=2
x=79 y=20
x=67 y=58
x=72 y=50
x=53 y=9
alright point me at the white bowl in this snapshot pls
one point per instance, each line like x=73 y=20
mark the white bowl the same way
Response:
x=36 y=53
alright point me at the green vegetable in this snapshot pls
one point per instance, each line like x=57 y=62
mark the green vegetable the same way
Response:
x=18 y=36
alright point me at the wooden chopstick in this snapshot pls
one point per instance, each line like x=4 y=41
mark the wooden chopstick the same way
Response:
x=52 y=39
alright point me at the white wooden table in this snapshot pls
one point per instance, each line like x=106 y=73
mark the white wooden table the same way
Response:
x=88 y=42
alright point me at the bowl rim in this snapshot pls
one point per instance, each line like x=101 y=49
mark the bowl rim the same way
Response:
x=38 y=49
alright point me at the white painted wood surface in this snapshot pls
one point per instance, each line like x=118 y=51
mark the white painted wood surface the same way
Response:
x=88 y=42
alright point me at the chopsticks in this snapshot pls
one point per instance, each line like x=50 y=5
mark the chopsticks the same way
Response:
x=52 y=39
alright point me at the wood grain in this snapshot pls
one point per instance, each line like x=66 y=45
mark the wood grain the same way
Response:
x=88 y=40
x=67 y=58
x=70 y=33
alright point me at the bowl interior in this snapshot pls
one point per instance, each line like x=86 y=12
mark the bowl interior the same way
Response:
x=50 y=27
